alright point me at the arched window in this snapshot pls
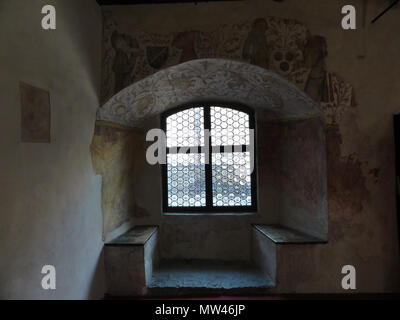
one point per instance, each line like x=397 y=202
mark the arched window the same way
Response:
x=210 y=159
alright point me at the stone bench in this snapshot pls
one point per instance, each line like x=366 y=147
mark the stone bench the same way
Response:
x=129 y=261
x=283 y=235
x=272 y=245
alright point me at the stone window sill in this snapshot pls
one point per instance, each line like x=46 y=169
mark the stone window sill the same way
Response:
x=209 y=214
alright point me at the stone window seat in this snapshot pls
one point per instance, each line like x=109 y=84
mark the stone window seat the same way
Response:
x=284 y=235
x=272 y=245
x=137 y=236
x=129 y=261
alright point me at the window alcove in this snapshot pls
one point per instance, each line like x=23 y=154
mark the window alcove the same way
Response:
x=289 y=187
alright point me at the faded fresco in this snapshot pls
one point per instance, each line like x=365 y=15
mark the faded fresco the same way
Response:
x=126 y=50
x=280 y=45
x=113 y=152
x=35 y=114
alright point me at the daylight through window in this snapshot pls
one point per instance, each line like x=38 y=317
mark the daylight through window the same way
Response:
x=217 y=173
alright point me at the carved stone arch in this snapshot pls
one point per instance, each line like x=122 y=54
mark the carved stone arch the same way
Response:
x=208 y=79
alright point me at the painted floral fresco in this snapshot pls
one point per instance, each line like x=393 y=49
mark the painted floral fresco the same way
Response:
x=205 y=79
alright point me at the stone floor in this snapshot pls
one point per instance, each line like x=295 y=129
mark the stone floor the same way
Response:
x=208 y=274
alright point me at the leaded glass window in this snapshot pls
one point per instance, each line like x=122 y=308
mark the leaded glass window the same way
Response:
x=210 y=162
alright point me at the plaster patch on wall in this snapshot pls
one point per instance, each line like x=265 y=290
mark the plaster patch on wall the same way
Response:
x=347 y=186
x=35 y=114
x=348 y=174
x=113 y=152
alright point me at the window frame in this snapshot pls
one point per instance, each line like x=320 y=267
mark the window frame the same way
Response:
x=209 y=208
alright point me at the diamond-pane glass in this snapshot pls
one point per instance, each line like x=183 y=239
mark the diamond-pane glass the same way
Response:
x=186 y=128
x=231 y=179
x=186 y=180
x=229 y=127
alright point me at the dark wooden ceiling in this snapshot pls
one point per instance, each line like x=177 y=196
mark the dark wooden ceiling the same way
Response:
x=132 y=2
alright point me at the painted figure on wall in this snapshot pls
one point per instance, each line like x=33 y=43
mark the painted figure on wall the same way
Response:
x=185 y=41
x=315 y=53
x=157 y=56
x=126 y=52
x=255 y=49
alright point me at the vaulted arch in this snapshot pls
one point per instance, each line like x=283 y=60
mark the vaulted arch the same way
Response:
x=208 y=79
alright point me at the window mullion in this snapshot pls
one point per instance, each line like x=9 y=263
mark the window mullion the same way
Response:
x=230 y=148
x=208 y=155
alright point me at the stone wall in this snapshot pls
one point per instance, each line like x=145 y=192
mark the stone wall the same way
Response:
x=292 y=161
x=50 y=196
